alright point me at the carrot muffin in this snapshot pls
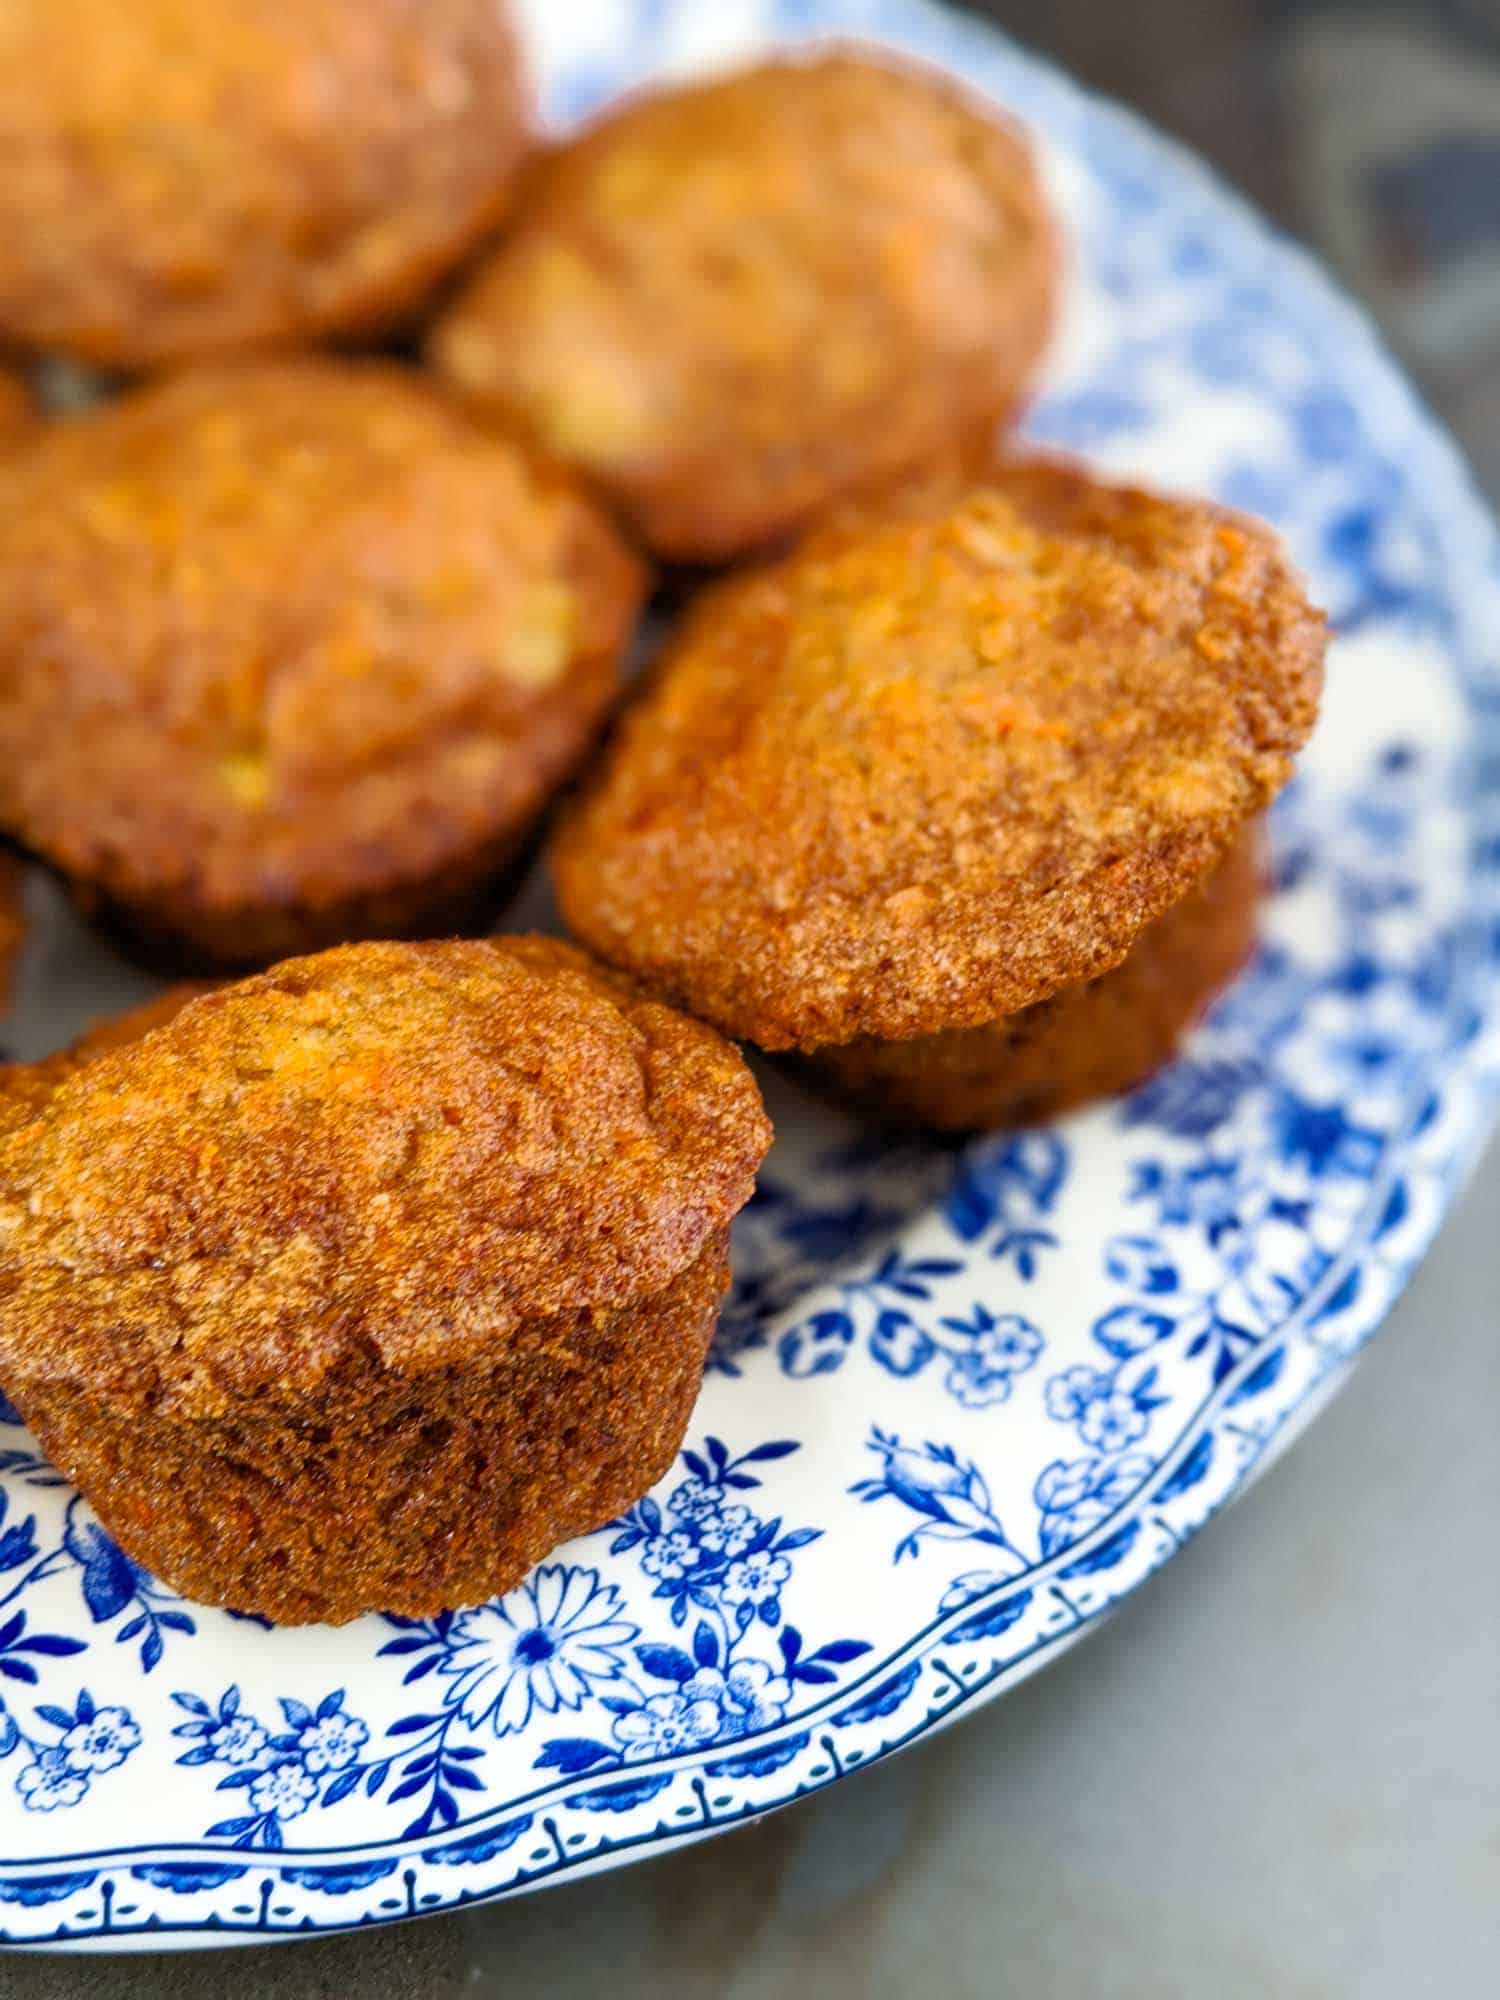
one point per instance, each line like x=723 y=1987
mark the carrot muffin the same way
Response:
x=731 y=301
x=26 y=1087
x=17 y=408
x=949 y=758
x=1088 y=1041
x=361 y=1284
x=186 y=177
x=293 y=652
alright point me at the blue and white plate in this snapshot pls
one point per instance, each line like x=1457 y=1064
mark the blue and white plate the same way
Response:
x=960 y=1404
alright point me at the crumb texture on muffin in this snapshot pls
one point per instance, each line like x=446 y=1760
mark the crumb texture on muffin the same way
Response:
x=291 y=652
x=1088 y=1041
x=953 y=753
x=187 y=177
x=732 y=300
x=359 y=1284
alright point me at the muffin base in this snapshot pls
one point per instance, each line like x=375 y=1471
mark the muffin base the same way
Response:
x=409 y=1494
x=1088 y=1041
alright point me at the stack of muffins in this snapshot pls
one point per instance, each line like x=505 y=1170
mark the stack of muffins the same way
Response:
x=361 y=1282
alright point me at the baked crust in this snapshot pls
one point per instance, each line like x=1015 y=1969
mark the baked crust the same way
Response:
x=730 y=302
x=951 y=755
x=357 y=1285
x=292 y=652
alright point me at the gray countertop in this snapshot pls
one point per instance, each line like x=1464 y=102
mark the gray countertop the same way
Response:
x=1277 y=1770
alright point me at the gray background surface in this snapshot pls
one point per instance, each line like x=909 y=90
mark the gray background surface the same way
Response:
x=1277 y=1770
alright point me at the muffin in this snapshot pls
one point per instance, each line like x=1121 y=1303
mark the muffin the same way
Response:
x=189 y=177
x=733 y=301
x=361 y=1284
x=951 y=757
x=292 y=652
x=17 y=408
x=1088 y=1041
x=26 y=1087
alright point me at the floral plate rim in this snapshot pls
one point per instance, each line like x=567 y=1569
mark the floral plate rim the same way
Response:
x=989 y=1641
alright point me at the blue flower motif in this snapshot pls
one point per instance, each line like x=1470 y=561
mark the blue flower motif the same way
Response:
x=543 y=1646
x=1112 y=1421
x=728 y=1533
x=330 y=1742
x=671 y=1555
x=755 y=1579
x=750 y=1696
x=1070 y=1393
x=284 y=1789
x=1110 y=1412
x=695 y=1498
x=995 y=1349
x=51 y=1782
x=101 y=1740
x=240 y=1740
x=665 y=1723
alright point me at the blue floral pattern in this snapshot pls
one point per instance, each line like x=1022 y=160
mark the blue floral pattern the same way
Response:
x=961 y=1400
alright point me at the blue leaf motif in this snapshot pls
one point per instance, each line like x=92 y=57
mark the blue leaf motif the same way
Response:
x=109 y=1576
x=621 y=1797
x=1264 y=1375
x=759 y=1763
x=1109 y=1552
x=666 y=1663
x=883 y=1700
x=1192 y=1469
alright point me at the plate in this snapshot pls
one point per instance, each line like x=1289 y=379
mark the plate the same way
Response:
x=960 y=1402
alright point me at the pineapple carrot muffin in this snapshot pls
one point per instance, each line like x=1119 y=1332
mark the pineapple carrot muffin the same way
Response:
x=732 y=301
x=292 y=652
x=361 y=1284
x=949 y=758
x=187 y=177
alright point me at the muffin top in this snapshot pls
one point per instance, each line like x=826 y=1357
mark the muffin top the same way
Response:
x=732 y=300
x=385 y=1158
x=279 y=634
x=184 y=177
x=25 y=1087
x=951 y=754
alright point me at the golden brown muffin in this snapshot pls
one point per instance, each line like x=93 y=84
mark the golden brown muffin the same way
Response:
x=293 y=652
x=1088 y=1041
x=362 y=1284
x=732 y=301
x=187 y=177
x=26 y=1087
x=17 y=408
x=950 y=756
